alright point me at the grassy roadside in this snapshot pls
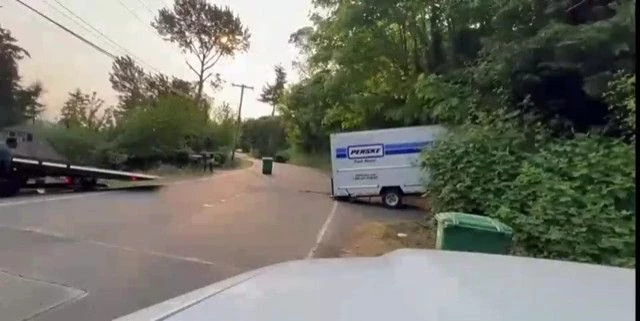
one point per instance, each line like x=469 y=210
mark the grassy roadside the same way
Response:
x=319 y=161
x=378 y=238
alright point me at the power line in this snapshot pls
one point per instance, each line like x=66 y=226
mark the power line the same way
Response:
x=123 y=49
x=67 y=16
x=146 y=6
x=81 y=38
x=133 y=13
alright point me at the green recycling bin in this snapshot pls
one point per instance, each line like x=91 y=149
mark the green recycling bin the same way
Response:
x=267 y=165
x=472 y=233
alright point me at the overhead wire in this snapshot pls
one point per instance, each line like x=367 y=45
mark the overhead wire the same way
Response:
x=71 y=32
x=133 y=13
x=83 y=39
x=102 y=34
x=145 y=6
x=66 y=15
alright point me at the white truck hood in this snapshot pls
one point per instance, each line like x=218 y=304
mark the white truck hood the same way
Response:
x=408 y=285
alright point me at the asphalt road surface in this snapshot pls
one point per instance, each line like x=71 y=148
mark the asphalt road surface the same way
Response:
x=100 y=255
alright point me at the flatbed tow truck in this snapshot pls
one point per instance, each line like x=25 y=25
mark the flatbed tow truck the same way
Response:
x=17 y=170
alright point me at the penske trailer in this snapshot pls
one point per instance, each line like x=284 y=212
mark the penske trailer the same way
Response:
x=381 y=162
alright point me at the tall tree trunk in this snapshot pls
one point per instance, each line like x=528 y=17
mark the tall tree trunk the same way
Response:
x=273 y=110
x=201 y=78
x=200 y=85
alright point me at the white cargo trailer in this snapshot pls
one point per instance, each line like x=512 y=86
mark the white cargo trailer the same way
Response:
x=382 y=162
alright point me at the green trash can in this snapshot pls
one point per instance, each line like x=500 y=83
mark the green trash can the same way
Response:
x=472 y=233
x=267 y=165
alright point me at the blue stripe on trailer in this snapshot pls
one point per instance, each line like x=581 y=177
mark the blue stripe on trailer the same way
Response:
x=402 y=151
x=408 y=145
x=394 y=149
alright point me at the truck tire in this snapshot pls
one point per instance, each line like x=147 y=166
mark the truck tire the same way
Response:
x=391 y=197
x=9 y=187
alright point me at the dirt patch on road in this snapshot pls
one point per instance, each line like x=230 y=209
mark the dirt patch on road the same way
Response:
x=377 y=238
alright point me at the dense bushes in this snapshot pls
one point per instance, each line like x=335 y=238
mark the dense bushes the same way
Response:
x=472 y=165
x=575 y=200
x=78 y=144
x=282 y=156
x=566 y=199
x=263 y=136
x=167 y=132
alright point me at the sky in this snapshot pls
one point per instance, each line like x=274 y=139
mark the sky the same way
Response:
x=63 y=63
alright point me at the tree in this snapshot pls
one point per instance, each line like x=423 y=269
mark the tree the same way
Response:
x=206 y=31
x=10 y=55
x=160 y=85
x=301 y=40
x=154 y=133
x=28 y=99
x=265 y=135
x=137 y=88
x=224 y=114
x=83 y=110
x=128 y=80
x=272 y=93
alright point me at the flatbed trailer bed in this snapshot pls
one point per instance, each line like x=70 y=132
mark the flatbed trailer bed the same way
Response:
x=67 y=169
x=21 y=169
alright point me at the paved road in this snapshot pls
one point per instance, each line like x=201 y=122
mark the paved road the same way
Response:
x=96 y=256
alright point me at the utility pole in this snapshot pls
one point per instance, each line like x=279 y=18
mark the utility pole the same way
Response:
x=237 y=133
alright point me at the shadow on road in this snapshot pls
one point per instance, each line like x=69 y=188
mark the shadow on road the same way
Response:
x=376 y=203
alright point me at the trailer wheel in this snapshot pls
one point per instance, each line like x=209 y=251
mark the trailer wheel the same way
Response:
x=391 y=197
x=9 y=187
x=83 y=184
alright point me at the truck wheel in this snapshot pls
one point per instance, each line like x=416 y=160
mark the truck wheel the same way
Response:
x=391 y=197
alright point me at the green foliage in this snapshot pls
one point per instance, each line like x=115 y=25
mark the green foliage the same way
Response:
x=263 y=136
x=575 y=200
x=320 y=161
x=272 y=93
x=472 y=167
x=79 y=145
x=155 y=132
x=83 y=110
x=282 y=156
x=17 y=104
x=621 y=97
x=445 y=101
x=136 y=88
x=28 y=98
x=222 y=155
x=565 y=199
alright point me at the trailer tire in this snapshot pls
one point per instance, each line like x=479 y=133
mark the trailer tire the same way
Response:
x=391 y=197
x=84 y=184
x=9 y=187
